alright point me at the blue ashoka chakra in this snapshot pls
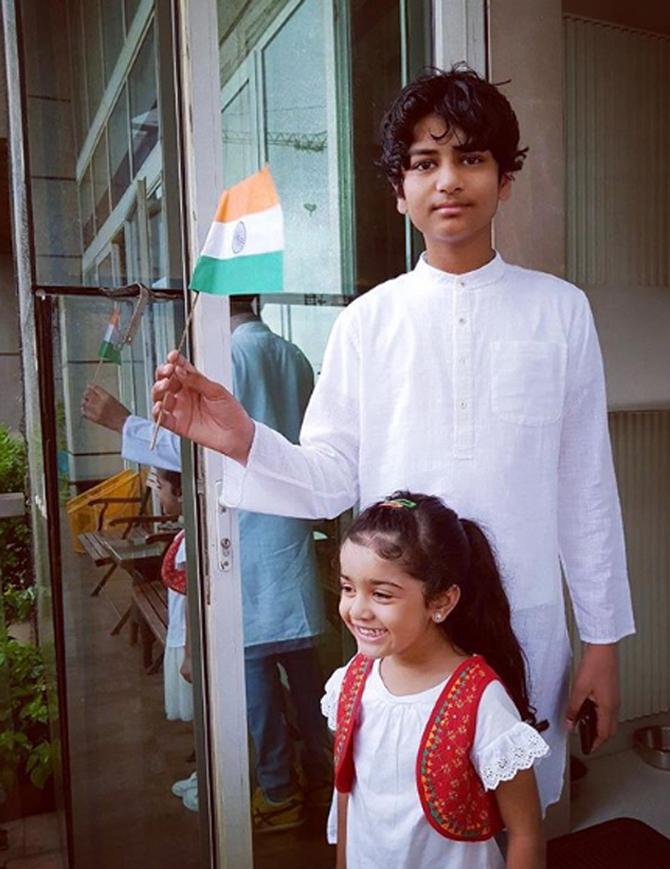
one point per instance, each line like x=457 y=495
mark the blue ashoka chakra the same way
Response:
x=239 y=237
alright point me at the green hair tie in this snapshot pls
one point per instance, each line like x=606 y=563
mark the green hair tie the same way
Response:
x=399 y=502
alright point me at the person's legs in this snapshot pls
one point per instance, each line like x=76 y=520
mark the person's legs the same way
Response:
x=306 y=684
x=269 y=732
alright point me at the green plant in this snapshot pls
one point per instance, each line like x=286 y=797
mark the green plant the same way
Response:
x=13 y=461
x=15 y=535
x=24 y=714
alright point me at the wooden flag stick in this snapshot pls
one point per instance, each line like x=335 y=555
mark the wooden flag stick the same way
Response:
x=157 y=427
x=97 y=371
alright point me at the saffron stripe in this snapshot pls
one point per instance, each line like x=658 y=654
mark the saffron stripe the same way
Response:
x=241 y=275
x=255 y=193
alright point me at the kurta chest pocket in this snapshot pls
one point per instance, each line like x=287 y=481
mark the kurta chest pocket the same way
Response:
x=527 y=381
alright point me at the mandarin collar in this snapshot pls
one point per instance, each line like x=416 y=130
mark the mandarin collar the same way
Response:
x=481 y=277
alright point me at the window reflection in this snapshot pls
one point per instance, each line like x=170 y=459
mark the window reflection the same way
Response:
x=119 y=158
x=112 y=33
x=143 y=102
x=101 y=182
x=92 y=45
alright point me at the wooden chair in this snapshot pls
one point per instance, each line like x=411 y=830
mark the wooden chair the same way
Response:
x=96 y=543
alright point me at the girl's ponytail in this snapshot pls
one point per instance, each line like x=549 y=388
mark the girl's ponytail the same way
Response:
x=481 y=622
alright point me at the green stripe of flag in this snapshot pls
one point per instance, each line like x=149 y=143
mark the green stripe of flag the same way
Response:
x=240 y=275
x=110 y=352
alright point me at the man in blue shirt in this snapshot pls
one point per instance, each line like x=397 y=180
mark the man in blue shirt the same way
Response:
x=282 y=602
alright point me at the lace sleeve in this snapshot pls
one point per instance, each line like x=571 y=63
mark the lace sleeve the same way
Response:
x=330 y=698
x=503 y=743
x=511 y=752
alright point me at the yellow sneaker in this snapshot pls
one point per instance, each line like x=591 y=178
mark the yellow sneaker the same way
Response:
x=271 y=817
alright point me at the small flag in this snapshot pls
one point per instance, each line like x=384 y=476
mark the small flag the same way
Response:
x=110 y=348
x=243 y=252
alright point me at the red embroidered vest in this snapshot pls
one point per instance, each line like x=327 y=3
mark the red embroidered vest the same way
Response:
x=171 y=576
x=452 y=795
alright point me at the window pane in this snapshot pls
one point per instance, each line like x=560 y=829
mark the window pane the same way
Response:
x=78 y=65
x=143 y=102
x=112 y=33
x=299 y=146
x=86 y=208
x=93 y=49
x=156 y=239
x=131 y=9
x=119 y=158
x=239 y=146
x=101 y=181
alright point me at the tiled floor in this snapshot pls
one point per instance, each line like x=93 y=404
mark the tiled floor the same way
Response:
x=623 y=785
x=34 y=843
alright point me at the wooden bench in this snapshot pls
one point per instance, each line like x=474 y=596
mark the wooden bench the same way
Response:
x=150 y=618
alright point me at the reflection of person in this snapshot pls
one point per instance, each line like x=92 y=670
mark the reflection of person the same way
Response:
x=440 y=677
x=178 y=691
x=480 y=381
x=282 y=605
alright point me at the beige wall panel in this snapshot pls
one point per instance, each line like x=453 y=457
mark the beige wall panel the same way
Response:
x=525 y=45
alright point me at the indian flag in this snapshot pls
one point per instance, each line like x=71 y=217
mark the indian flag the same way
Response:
x=243 y=253
x=110 y=348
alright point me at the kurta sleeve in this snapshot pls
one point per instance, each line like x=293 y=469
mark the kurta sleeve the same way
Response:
x=504 y=745
x=589 y=516
x=319 y=477
x=136 y=441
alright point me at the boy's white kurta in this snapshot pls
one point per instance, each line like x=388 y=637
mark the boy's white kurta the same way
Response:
x=486 y=389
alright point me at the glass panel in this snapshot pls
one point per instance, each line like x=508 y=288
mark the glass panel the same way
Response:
x=131 y=9
x=130 y=713
x=143 y=102
x=80 y=179
x=86 y=208
x=101 y=181
x=77 y=62
x=119 y=157
x=112 y=33
x=93 y=51
x=297 y=146
x=237 y=134
x=157 y=250
x=291 y=95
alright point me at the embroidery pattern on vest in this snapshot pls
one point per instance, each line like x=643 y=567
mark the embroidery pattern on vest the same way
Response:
x=171 y=576
x=347 y=708
x=452 y=795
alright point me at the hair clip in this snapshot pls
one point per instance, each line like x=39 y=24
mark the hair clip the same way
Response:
x=399 y=502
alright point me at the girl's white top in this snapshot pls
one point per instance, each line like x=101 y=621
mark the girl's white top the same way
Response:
x=386 y=826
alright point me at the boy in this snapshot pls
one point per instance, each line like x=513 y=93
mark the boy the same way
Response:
x=475 y=380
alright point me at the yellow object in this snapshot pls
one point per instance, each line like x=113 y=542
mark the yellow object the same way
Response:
x=82 y=517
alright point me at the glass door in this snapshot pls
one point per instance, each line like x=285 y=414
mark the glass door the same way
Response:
x=297 y=90
x=100 y=279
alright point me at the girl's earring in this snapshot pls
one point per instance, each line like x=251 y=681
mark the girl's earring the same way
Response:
x=438 y=617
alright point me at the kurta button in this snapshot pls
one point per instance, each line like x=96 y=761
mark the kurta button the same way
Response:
x=464 y=404
x=461 y=320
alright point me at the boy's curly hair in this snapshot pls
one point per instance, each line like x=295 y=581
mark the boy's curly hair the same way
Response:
x=466 y=102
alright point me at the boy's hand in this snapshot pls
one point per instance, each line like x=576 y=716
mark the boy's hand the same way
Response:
x=200 y=409
x=598 y=678
x=100 y=407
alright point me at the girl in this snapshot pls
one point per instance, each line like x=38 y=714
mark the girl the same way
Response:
x=178 y=692
x=434 y=735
